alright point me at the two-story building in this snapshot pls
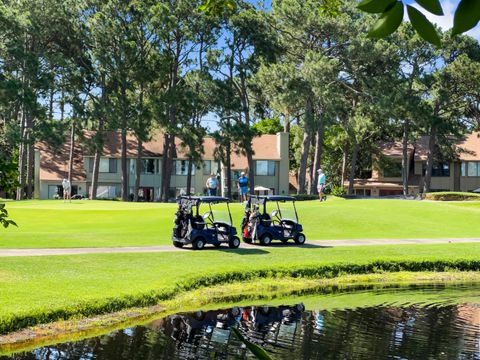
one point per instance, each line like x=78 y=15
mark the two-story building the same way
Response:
x=457 y=172
x=51 y=166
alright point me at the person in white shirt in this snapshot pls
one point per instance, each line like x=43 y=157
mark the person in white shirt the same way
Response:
x=322 y=180
x=66 y=190
x=212 y=185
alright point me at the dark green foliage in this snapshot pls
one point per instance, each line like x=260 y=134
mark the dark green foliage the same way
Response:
x=466 y=16
x=388 y=22
x=3 y=217
x=92 y=308
x=452 y=196
x=422 y=26
x=433 y=6
x=375 y=6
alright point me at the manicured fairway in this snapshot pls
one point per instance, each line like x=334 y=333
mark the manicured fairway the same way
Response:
x=53 y=223
x=43 y=284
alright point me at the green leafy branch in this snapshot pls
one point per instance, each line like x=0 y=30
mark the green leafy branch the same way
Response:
x=467 y=16
x=256 y=350
x=3 y=217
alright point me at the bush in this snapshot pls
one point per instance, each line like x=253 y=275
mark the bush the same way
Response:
x=452 y=196
x=92 y=308
x=303 y=197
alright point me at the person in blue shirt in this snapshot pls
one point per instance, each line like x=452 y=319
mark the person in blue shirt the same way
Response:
x=322 y=181
x=243 y=186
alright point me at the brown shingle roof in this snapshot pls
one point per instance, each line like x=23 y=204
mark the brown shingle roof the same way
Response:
x=469 y=148
x=54 y=164
x=395 y=149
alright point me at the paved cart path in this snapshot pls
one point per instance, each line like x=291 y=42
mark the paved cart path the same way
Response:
x=170 y=248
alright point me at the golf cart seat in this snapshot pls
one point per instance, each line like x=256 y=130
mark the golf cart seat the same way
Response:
x=222 y=226
x=266 y=220
x=198 y=223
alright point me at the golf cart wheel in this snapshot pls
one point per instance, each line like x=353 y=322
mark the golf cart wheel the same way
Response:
x=300 y=239
x=178 y=244
x=198 y=243
x=247 y=240
x=266 y=239
x=234 y=243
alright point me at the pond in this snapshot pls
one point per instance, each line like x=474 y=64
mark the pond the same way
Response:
x=410 y=322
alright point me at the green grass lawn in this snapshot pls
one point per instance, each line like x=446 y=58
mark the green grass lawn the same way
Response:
x=52 y=223
x=34 y=285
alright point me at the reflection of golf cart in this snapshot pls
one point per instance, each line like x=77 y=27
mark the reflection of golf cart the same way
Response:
x=257 y=224
x=192 y=228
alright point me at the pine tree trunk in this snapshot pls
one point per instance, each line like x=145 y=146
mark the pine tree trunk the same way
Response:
x=138 y=169
x=124 y=164
x=353 y=168
x=22 y=158
x=318 y=156
x=344 y=165
x=99 y=138
x=307 y=139
x=427 y=180
x=189 y=176
x=405 y=163
x=124 y=142
x=167 y=165
x=30 y=168
x=72 y=152
x=310 y=168
x=30 y=158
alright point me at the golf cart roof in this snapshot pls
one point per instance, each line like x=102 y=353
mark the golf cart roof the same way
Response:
x=206 y=199
x=274 y=197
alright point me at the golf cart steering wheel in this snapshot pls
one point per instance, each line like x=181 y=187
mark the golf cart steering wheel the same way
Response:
x=275 y=217
x=208 y=217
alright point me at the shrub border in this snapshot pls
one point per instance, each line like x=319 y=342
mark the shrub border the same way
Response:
x=110 y=305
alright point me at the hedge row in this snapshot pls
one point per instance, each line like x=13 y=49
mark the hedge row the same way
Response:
x=452 y=196
x=109 y=305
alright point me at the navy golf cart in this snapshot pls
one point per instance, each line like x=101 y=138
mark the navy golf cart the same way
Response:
x=213 y=227
x=281 y=224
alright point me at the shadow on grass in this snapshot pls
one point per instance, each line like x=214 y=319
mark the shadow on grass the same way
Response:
x=292 y=245
x=238 y=251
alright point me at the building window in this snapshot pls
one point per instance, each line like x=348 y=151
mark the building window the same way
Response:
x=441 y=169
x=107 y=165
x=265 y=168
x=464 y=168
x=181 y=167
x=148 y=166
x=393 y=169
x=207 y=167
x=473 y=168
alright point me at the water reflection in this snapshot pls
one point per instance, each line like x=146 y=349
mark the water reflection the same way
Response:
x=291 y=332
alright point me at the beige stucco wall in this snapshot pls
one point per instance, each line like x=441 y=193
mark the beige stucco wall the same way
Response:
x=279 y=182
x=469 y=183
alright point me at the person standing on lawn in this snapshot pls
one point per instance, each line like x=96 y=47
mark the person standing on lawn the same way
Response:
x=322 y=180
x=243 y=186
x=66 y=190
x=212 y=185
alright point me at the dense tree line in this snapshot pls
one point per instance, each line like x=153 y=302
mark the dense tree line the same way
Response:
x=141 y=65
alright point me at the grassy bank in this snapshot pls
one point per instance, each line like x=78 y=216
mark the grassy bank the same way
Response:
x=327 y=294
x=43 y=289
x=52 y=223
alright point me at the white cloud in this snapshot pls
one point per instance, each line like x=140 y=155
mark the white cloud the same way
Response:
x=446 y=21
